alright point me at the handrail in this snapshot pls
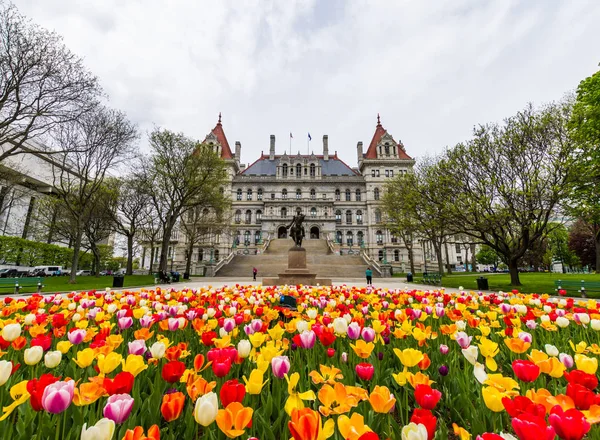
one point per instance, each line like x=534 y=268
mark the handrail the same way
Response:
x=266 y=243
x=330 y=243
x=370 y=261
x=224 y=261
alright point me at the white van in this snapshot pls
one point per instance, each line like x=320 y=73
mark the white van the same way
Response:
x=47 y=271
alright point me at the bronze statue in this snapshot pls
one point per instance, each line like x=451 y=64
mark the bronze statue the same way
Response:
x=296 y=229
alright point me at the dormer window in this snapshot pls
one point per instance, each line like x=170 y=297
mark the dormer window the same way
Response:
x=299 y=170
x=239 y=194
x=387 y=149
x=284 y=170
x=312 y=170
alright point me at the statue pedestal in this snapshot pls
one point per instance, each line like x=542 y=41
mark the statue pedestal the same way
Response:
x=297 y=272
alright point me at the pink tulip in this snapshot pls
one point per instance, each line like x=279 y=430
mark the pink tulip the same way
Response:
x=566 y=359
x=280 y=366
x=444 y=349
x=173 y=324
x=228 y=324
x=118 y=407
x=344 y=357
x=248 y=330
x=525 y=337
x=121 y=313
x=58 y=396
x=137 y=347
x=439 y=311
x=76 y=336
x=308 y=339
x=125 y=323
x=256 y=325
x=463 y=340
x=353 y=330
x=368 y=334
x=146 y=321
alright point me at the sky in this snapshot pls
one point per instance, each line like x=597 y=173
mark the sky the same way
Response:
x=432 y=70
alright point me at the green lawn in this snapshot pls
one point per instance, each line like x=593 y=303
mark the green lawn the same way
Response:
x=531 y=282
x=61 y=284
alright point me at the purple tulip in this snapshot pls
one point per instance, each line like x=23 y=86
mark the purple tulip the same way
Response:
x=77 y=336
x=229 y=324
x=444 y=349
x=566 y=359
x=353 y=330
x=146 y=321
x=280 y=366
x=439 y=311
x=118 y=407
x=505 y=308
x=308 y=339
x=125 y=323
x=380 y=355
x=58 y=396
x=443 y=370
x=137 y=347
x=416 y=313
x=368 y=334
x=248 y=330
x=121 y=313
x=256 y=325
x=386 y=340
x=173 y=324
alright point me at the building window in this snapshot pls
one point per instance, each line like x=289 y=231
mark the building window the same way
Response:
x=324 y=196
x=348 y=195
x=313 y=194
x=380 y=255
x=239 y=194
x=238 y=216
x=376 y=173
x=337 y=195
x=394 y=239
x=377 y=216
x=349 y=238
x=256 y=237
x=391 y=173
x=338 y=216
x=284 y=193
x=298 y=171
x=372 y=173
x=248 y=217
x=387 y=173
x=358 y=197
x=379 y=237
x=360 y=237
x=458 y=248
x=338 y=237
x=313 y=170
x=283 y=212
x=376 y=193
x=249 y=194
x=387 y=149
x=259 y=194
x=247 y=238
x=258 y=216
x=272 y=196
x=348 y=217
x=359 y=217
x=216 y=254
x=284 y=170
x=298 y=194
x=396 y=255
x=313 y=212
x=200 y=254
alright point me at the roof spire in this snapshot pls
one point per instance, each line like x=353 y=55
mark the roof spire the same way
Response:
x=378 y=120
x=219 y=118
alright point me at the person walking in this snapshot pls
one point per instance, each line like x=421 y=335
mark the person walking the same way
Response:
x=369 y=274
x=254 y=272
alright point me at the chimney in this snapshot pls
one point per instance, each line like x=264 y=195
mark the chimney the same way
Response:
x=359 y=152
x=325 y=147
x=238 y=150
x=272 y=150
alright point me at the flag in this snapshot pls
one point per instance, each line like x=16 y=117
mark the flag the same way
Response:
x=309 y=138
x=291 y=137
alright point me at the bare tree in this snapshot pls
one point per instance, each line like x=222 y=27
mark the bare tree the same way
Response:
x=41 y=82
x=97 y=142
x=149 y=232
x=100 y=222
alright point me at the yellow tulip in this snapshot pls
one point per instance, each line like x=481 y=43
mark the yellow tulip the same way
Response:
x=255 y=384
x=502 y=383
x=19 y=395
x=352 y=428
x=134 y=364
x=108 y=363
x=257 y=339
x=489 y=349
x=400 y=378
x=581 y=347
x=295 y=398
x=363 y=349
x=586 y=364
x=327 y=375
x=409 y=356
x=382 y=400
x=492 y=398
x=64 y=346
x=276 y=332
x=462 y=433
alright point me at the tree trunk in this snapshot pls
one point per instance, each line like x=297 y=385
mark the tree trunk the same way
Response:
x=151 y=257
x=447 y=260
x=129 y=269
x=598 y=250
x=411 y=259
x=188 y=263
x=96 y=263
x=440 y=260
x=75 y=260
x=473 y=258
x=513 y=269
x=164 y=247
x=143 y=258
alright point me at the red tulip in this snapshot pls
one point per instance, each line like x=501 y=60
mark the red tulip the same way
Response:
x=208 y=338
x=58 y=320
x=427 y=397
x=530 y=427
x=221 y=366
x=121 y=384
x=330 y=352
x=489 y=436
x=520 y=405
x=369 y=436
x=172 y=371
x=232 y=391
x=526 y=371
x=44 y=341
x=172 y=406
x=426 y=418
x=326 y=336
x=582 y=378
x=365 y=371
x=582 y=397
x=570 y=424
x=36 y=388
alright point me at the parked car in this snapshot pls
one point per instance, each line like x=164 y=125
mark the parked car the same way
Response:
x=8 y=273
x=106 y=272
x=83 y=273
x=46 y=271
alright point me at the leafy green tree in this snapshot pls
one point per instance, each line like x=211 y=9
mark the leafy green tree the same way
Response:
x=509 y=179
x=487 y=256
x=582 y=243
x=584 y=201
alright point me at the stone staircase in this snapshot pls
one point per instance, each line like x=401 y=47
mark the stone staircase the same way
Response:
x=319 y=260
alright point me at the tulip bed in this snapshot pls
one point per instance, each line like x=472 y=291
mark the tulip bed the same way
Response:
x=350 y=363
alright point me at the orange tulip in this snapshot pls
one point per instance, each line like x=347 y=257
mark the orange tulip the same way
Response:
x=381 y=400
x=335 y=399
x=172 y=406
x=87 y=393
x=19 y=343
x=143 y=333
x=517 y=345
x=138 y=433
x=234 y=419
x=306 y=425
x=197 y=386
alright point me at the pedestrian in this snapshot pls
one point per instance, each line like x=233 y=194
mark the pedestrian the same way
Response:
x=369 y=274
x=254 y=272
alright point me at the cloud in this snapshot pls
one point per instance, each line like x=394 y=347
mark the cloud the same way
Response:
x=328 y=67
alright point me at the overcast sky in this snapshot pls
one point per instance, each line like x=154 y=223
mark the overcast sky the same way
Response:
x=432 y=69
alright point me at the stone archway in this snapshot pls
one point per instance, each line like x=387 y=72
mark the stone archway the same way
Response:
x=314 y=233
x=282 y=232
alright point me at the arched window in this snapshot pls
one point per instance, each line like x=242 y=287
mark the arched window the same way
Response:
x=258 y=216
x=387 y=149
x=337 y=195
x=312 y=170
x=313 y=194
x=348 y=195
x=313 y=212
x=216 y=254
x=259 y=194
x=200 y=254
x=349 y=238
x=348 y=217
x=360 y=237
x=247 y=238
x=338 y=216
x=358 y=197
x=257 y=237
x=377 y=216
x=298 y=171
x=284 y=170
x=338 y=236
x=298 y=194
x=248 y=217
x=396 y=255
x=359 y=217
x=376 y=193
x=379 y=237
x=283 y=212
x=284 y=193
x=249 y=194
x=380 y=255
x=238 y=216
x=239 y=194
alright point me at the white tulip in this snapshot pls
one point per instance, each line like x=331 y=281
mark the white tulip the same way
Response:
x=158 y=350
x=29 y=319
x=102 y=430
x=471 y=354
x=312 y=313
x=5 y=371
x=340 y=326
x=562 y=322
x=52 y=359
x=551 y=350
x=205 y=411
x=33 y=355
x=412 y=431
x=480 y=374
x=112 y=308
x=10 y=332
x=301 y=326
x=595 y=324
x=461 y=325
